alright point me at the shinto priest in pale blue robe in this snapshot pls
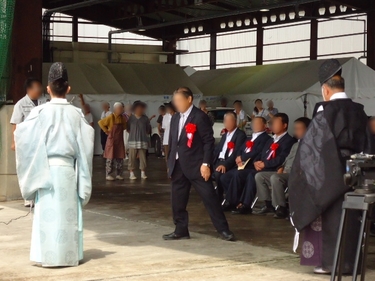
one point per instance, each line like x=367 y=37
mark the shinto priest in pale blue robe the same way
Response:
x=54 y=150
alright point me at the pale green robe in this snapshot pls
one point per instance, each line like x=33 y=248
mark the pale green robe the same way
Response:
x=54 y=150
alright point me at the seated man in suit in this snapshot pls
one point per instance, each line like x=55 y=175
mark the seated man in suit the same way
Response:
x=279 y=180
x=226 y=151
x=272 y=156
x=244 y=157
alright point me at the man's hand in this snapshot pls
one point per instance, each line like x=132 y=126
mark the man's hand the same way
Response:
x=221 y=169
x=280 y=170
x=239 y=161
x=13 y=146
x=259 y=165
x=205 y=172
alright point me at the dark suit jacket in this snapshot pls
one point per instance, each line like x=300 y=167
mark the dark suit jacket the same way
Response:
x=257 y=148
x=238 y=138
x=285 y=144
x=202 y=147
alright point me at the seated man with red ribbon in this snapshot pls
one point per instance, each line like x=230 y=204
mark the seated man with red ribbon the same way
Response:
x=277 y=182
x=248 y=151
x=226 y=151
x=272 y=156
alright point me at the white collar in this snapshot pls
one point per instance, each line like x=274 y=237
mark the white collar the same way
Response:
x=231 y=133
x=187 y=112
x=277 y=138
x=255 y=135
x=59 y=101
x=340 y=95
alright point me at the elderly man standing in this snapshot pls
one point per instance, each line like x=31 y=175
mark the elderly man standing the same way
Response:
x=191 y=145
x=114 y=126
x=105 y=113
x=24 y=106
x=316 y=186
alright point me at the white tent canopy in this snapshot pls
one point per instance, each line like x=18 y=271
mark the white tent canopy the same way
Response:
x=290 y=85
x=152 y=83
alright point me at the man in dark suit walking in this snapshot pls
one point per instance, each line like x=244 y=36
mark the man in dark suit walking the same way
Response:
x=191 y=145
x=226 y=151
x=244 y=159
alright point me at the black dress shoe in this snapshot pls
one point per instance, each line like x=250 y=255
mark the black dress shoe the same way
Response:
x=243 y=210
x=174 y=236
x=227 y=236
x=265 y=210
x=281 y=213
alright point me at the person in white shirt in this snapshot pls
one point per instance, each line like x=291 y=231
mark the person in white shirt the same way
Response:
x=106 y=112
x=87 y=111
x=166 y=126
x=271 y=109
x=241 y=114
x=259 y=111
x=24 y=106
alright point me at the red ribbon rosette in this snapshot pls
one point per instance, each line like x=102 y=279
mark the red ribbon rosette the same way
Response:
x=249 y=146
x=230 y=146
x=190 y=131
x=273 y=148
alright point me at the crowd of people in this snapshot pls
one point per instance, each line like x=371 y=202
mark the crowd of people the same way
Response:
x=229 y=177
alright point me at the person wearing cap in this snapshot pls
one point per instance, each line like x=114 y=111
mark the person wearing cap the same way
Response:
x=139 y=129
x=105 y=113
x=166 y=125
x=241 y=114
x=54 y=152
x=24 y=106
x=114 y=126
x=316 y=186
x=87 y=111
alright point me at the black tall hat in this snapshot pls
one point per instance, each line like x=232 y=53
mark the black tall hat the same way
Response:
x=57 y=71
x=328 y=69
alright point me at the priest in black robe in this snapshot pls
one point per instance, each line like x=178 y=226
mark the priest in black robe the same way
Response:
x=316 y=186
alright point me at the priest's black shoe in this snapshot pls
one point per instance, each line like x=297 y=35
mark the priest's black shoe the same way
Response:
x=243 y=210
x=174 y=236
x=227 y=236
x=264 y=210
x=281 y=213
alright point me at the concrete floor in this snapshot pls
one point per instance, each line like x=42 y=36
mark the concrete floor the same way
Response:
x=124 y=222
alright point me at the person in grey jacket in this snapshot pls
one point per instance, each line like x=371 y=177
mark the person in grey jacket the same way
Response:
x=278 y=181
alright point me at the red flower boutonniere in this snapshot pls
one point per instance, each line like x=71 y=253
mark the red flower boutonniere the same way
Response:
x=273 y=148
x=249 y=146
x=190 y=131
x=230 y=146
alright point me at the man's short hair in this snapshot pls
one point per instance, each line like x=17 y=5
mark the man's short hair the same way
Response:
x=262 y=118
x=336 y=82
x=284 y=118
x=231 y=113
x=185 y=91
x=59 y=87
x=30 y=81
x=304 y=120
x=201 y=102
x=162 y=107
x=237 y=101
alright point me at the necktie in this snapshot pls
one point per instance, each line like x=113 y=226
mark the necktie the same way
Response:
x=181 y=125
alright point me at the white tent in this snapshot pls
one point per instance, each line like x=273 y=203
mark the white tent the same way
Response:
x=291 y=86
x=150 y=83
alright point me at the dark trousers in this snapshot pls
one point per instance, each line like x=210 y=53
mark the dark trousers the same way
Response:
x=180 y=196
x=219 y=186
x=103 y=139
x=239 y=186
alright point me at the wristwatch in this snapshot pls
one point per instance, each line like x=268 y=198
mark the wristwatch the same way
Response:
x=206 y=164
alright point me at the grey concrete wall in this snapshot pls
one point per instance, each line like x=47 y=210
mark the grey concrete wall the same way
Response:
x=9 y=188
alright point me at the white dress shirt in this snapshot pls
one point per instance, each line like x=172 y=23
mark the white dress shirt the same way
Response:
x=255 y=135
x=166 y=125
x=225 y=146
x=279 y=137
x=337 y=96
x=105 y=114
x=183 y=118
